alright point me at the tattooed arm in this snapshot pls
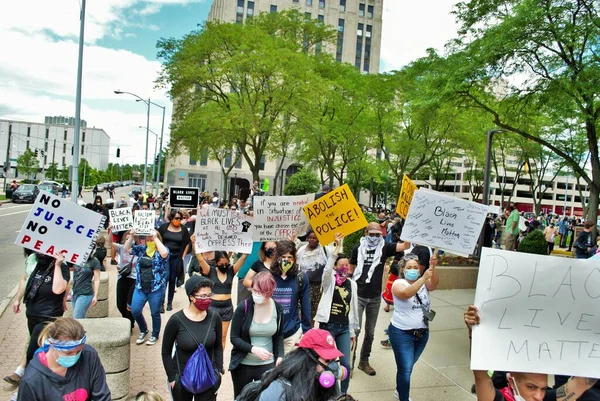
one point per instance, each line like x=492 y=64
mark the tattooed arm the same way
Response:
x=574 y=388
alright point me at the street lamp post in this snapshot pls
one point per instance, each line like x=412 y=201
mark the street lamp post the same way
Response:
x=75 y=175
x=154 y=167
x=162 y=130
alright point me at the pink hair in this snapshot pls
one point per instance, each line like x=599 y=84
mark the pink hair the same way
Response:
x=265 y=283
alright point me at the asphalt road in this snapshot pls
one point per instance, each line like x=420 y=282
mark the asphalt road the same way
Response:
x=12 y=217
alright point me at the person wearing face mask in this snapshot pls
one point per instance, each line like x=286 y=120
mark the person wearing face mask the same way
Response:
x=221 y=274
x=310 y=372
x=177 y=239
x=150 y=283
x=187 y=329
x=527 y=386
x=65 y=367
x=338 y=309
x=367 y=268
x=267 y=255
x=256 y=334
x=409 y=327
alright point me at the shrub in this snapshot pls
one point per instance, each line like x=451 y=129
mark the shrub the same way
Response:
x=351 y=240
x=303 y=182
x=534 y=242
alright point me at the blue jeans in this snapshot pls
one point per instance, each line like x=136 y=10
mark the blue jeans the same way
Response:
x=371 y=308
x=407 y=350
x=341 y=334
x=80 y=305
x=154 y=299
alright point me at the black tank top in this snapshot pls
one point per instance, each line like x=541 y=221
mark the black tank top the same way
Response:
x=219 y=286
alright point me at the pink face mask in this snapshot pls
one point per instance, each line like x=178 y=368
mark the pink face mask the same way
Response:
x=341 y=273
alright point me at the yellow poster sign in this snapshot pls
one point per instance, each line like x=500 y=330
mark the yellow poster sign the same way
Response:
x=406 y=195
x=335 y=212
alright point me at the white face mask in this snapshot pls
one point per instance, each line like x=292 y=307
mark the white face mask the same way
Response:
x=259 y=299
x=516 y=391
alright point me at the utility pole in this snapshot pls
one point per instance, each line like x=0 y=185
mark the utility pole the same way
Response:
x=75 y=178
x=7 y=162
x=53 y=154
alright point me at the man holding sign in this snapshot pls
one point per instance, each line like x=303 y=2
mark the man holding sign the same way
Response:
x=366 y=264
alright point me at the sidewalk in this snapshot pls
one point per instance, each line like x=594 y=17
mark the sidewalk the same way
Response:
x=442 y=373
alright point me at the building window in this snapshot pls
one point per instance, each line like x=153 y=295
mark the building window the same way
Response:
x=273 y=8
x=238 y=157
x=64 y=148
x=307 y=16
x=192 y=161
x=82 y=150
x=250 y=12
x=64 y=161
x=204 y=158
x=309 y=3
x=321 y=18
x=340 y=40
x=83 y=136
x=28 y=132
x=46 y=147
x=261 y=165
x=369 y=12
x=296 y=1
x=239 y=14
x=47 y=132
x=197 y=181
x=45 y=160
x=359 y=43
x=227 y=160
x=65 y=135
x=367 y=60
x=342 y=6
x=321 y=3
x=361 y=10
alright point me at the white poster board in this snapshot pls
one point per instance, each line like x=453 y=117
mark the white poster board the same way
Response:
x=444 y=222
x=279 y=217
x=58 y=225
x=522 y=225
x=223 y=230
x=143 y=222
x=121 y=219
x=539 y=314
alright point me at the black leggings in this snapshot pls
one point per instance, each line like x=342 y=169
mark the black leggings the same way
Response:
x=181 y=394
x=125 y=287
x=174 y=261
x=35 y=325
x=244 y=374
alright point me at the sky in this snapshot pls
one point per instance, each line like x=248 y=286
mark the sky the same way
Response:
x=38 y=60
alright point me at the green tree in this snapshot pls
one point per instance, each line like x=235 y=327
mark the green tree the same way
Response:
x=28 y=164
x=52 y=171
x=303 y=182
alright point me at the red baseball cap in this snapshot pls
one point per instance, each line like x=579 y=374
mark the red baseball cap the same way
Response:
x=321 y=342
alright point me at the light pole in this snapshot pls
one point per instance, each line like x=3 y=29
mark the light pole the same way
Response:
x=162 y=130
x=7 y=163
x=147 y=102
x=154 y=167
x=75 y=175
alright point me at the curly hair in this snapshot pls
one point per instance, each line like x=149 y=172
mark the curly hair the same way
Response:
x=284 y=247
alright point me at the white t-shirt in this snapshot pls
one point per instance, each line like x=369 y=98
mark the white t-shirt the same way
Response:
x=408 y=314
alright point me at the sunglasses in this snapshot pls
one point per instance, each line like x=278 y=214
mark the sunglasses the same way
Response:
x=410 y=256
x=204 y=296
x=177 y=218
x=374 y=235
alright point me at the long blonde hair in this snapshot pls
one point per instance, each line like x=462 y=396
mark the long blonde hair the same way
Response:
x=63 y=328
x=147 y=396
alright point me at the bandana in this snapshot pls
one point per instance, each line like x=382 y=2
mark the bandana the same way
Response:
x=366 y=244
x=150 y=248
x=61 y=345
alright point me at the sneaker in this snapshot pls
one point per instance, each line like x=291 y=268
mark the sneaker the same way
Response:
x=113 y=262
x=386 y=331
x=141 y=338
x=13 y=379
x=396 y=396
x=153 y=340
x=169 y=307
x=365 y=367
x=162 y=308
x=386 y=344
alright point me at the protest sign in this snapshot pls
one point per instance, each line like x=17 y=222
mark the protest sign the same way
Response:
x=279 y=217
x=143 y=222
x=335 y=212
x=538 y=313
x=55 y=225
x=445 y=222
x=223 y=230
x=406 y=194
x=522 y=225
x=184 y=197
x=121 y=219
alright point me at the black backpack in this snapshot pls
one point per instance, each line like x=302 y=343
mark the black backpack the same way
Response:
x=252 y=390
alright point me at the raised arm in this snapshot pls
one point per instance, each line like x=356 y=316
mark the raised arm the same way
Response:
x=327 y=271
x=204 y=266
x=484 y=386
x=574 y=388
x=164 y=252
x=433 y=282
x=59 y=284
x=129 y=242
x=240 y=262
x=402 y=246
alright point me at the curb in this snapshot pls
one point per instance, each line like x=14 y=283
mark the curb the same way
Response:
x=6 y=301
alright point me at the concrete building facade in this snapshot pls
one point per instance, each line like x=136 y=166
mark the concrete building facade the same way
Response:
x=54 y=143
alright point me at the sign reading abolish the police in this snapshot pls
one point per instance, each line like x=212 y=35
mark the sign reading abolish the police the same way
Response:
x=56 y=225
x=223 y=230
x=406 y=194
x=143 y=222
x=121 y=219
x=280 y=217
x=539 y=314
x=335 y=212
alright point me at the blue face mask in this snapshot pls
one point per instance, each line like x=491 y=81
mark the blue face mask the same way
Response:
x=68 y=361
x=411 y=274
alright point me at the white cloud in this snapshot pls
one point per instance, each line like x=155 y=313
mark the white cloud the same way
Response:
x=411 y=27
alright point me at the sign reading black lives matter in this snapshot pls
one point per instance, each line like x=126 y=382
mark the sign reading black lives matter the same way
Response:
x=223 y=230
x=121 y=219
x=539 y=314
x=55 y=225
x=184 y=197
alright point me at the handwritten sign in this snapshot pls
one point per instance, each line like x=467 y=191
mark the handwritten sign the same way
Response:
x=538 y=314
x=444 y=222
x=143 y=222
x=335 y=212
x=121 y=219
x=56 y=225
x=184 y=197
x=279 y=217
x=223 y=230
x=406 y=194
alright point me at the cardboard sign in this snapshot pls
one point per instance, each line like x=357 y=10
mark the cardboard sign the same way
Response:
x=143 y=222
x=539 y=314
x=522 y=225
x=121 y=219
x=57 y=225
x=406 y=194
x=184 y=197
x=279 y=217
x=335 y=212
x=223 y=230
x=445 y=222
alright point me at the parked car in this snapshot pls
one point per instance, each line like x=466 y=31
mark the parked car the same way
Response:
x=50 y=186
x=135 y=189
x=25 y=193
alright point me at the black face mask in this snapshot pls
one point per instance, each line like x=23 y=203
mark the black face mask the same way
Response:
x=269 y=252
x=223 y=268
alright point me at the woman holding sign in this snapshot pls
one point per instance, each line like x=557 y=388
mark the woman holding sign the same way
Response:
x=409 y=328
x=153 y=261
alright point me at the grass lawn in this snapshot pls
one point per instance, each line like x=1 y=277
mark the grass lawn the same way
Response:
x=3 y=197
